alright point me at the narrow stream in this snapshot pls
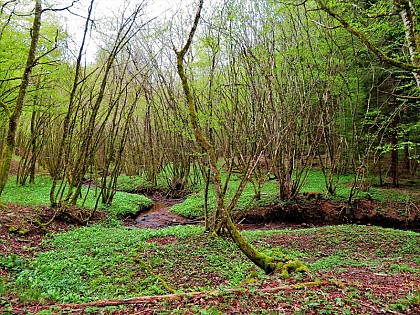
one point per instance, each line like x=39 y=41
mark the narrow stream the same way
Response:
x=159 y=216
x=156 y=207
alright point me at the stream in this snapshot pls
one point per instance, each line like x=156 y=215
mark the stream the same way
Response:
x=158 y=216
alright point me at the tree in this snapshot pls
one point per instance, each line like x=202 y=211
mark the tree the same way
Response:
x=265 y=262
x=88 y=112
x=13 y=114
x=408 y=12
x=395 y=42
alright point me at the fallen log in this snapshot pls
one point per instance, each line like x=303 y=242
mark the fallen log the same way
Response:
x=188 y=296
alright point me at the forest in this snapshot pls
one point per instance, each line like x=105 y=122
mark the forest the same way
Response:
x=209 y=157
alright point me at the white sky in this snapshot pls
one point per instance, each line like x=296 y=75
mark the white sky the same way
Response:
x=104 y=8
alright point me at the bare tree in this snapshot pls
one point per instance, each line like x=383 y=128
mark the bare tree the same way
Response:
x=267 y=263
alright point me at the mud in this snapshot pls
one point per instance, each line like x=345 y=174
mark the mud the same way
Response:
x=159 y=216
x=301 y=213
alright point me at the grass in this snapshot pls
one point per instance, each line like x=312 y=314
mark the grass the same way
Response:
x=38 y=194
x=99 y=262
x=193 y=206
x=94 y=263
x=134 y=183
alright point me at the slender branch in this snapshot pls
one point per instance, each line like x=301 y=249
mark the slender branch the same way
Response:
x=387 y=14
x=362 y=37
x=201 y=139
x=5 y=108
x=407 y=97
x=63 y=8
x=11 y=79
x=184 y=49
x=325 y=26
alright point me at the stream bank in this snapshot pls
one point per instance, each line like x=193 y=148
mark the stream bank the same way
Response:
x=302 y=213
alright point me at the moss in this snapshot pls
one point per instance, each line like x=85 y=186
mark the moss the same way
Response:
x=287 y=268
x=23 y=232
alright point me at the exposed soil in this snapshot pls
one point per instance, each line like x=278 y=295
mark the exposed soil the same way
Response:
x=23 y=228
x=305 y=211
x=316 y=212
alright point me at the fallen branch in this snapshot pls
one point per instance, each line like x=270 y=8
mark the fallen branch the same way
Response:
x=188 y=296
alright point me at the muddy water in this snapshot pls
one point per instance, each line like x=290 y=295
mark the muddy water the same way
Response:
x=159 y=217
x=156 y=207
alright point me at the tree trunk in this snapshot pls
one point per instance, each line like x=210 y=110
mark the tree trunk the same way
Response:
x=265 y=262
x=61 y=161
x=394 y=157
x=6 y=156
x=409 y=17
x=406 y=160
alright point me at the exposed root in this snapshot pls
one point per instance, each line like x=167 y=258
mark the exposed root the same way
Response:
x=160 y=279
x=291 y=266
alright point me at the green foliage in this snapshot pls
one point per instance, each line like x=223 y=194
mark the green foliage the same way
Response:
x=412 y=300
x=133 y=183
x=12 y=262
x=38 y=194
x=125 y=204
x=99 y=262
x=193 y=205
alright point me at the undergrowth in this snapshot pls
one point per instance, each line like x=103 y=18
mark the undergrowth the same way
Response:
x=100 y=262
x=193 y=206
x=38 y=194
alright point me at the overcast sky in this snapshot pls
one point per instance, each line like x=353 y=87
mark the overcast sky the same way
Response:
x=104 y=8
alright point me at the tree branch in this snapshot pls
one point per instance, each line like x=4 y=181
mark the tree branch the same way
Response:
x=362 y=37
x=187 y=45
x=5 y=108
x=191 y=295
x=406 y=97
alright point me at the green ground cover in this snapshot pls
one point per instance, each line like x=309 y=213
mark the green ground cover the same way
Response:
x=356 y=269
x=100 y=262
x=193 y=207
x=38 y=194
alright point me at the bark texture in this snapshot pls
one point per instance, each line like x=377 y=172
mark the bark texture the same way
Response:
x=7 y=153
x=263 y=261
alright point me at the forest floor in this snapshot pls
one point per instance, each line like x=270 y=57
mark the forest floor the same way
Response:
x=381 y=279
x=306 y=211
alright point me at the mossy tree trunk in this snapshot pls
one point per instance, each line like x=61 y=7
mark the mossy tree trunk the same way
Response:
x=265 y=262
x=14 y=115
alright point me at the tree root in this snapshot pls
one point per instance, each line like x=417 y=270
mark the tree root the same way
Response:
x=160 y=279
x=291 y=266
x=188 y=295
x=3 y=207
